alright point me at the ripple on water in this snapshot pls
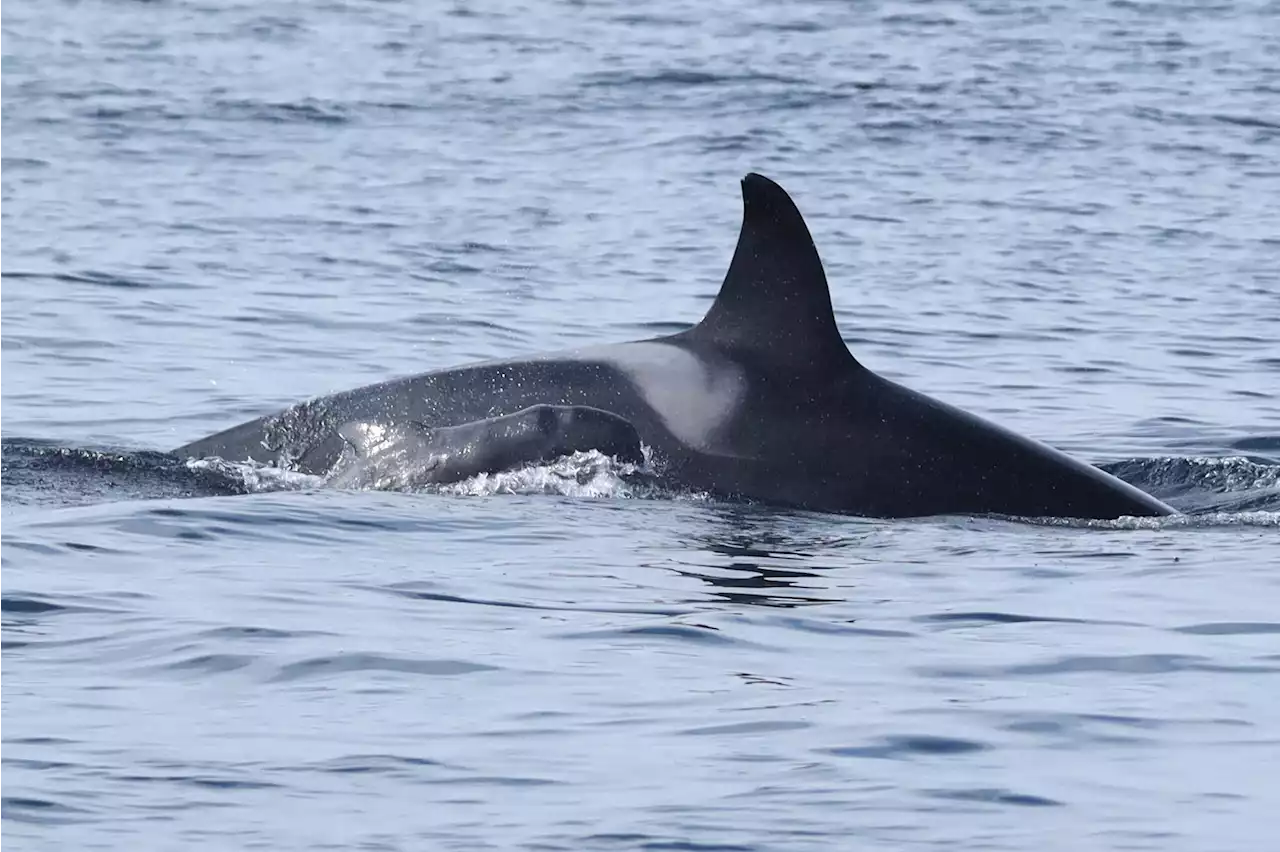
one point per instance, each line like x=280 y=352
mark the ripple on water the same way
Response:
x=902 y=747
x=41 y=811
x=365 y=663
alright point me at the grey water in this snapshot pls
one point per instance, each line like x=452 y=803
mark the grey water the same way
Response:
x=1062 y=217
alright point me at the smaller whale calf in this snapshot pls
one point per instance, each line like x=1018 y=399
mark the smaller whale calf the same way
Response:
x=411 y=455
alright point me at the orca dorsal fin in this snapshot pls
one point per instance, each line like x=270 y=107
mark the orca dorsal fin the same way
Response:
x=774 y=297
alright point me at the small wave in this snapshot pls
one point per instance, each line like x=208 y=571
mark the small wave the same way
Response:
x=826 y=628
x=376 y=764
x=734 y=729
x=1259 y=443
x=133 y=114
x=693 y=634
x=901 y=747
x=305 y=111
x=678 y=77
x=203 y=782
x=255 y=634
x=1117 y=664
x=24 y=163
x=986 y=618
x=29 y=605
x=411 y=591
x=39 y=811
x=1192 y=521
x=1231 y=628
x=1247 y=121
x=1214 y=490
x=994 y=796
x=100 y=279
x=362 y=664
x=201 y=666
x=40 y=472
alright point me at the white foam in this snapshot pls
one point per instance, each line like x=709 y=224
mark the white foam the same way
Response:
x=584 y=474
x=257 y=478
x=1193 y=521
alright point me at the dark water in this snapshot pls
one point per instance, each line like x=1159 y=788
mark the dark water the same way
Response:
x=1060 y=217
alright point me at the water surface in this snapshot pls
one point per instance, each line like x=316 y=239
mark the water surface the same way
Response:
x=1061 y=218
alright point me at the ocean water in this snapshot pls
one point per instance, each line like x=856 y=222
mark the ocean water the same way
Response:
x=1062 y=217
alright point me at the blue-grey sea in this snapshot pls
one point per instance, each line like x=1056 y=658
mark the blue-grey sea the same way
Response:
x=1064 y=217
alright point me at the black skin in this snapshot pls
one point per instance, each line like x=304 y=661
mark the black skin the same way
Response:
x=761 y=400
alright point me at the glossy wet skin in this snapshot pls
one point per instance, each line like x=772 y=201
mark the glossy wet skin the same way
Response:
x=761 y=400
x=854 y=440
x=391 y=455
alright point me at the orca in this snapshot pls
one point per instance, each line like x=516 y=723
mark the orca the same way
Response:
x=404 y=456
x=760 y=401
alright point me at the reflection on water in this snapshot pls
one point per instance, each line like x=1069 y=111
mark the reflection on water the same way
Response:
x=765 y=557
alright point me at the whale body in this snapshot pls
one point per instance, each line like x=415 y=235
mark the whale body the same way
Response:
x=761 y=400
